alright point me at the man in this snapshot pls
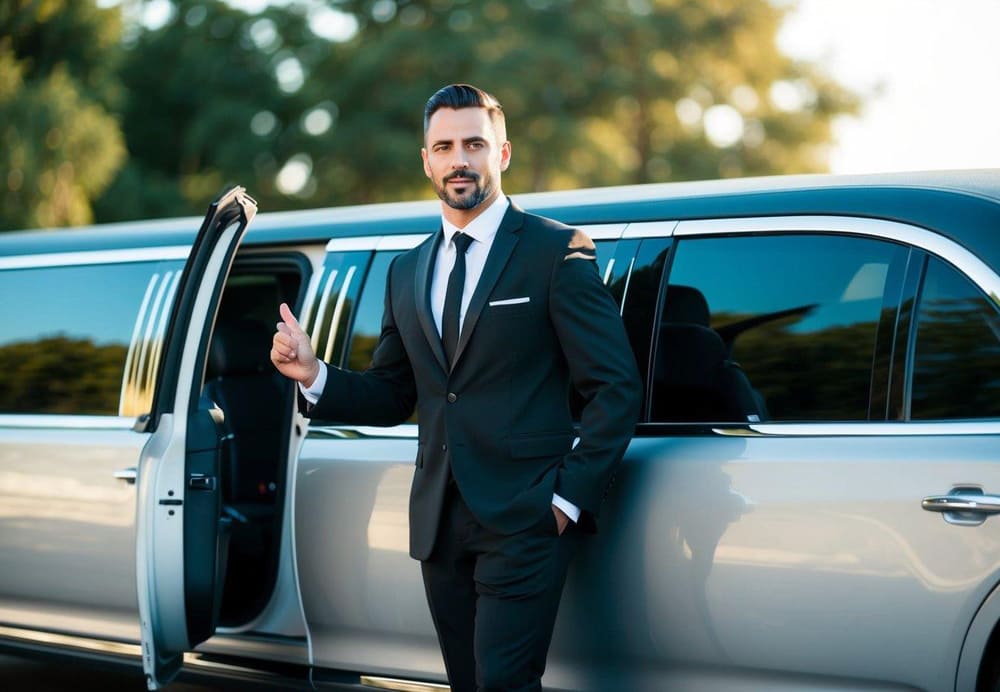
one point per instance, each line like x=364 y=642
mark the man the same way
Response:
x=487 y=326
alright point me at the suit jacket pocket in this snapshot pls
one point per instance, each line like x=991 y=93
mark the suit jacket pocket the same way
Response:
x=528 y=446
x=511 y=307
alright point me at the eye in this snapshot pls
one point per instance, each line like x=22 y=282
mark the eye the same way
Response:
x=475 y=145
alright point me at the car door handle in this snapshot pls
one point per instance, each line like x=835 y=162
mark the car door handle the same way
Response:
x=199 y=481
x=977 y=503
x=127 y=475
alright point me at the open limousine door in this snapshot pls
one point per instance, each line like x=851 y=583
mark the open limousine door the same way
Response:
x=181 y=537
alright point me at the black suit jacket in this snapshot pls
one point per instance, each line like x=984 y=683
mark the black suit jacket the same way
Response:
x=500 y=417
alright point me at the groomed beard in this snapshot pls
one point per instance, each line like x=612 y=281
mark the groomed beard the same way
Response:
x=472 y=198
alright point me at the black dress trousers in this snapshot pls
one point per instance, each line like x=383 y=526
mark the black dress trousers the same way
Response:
x=494 y=598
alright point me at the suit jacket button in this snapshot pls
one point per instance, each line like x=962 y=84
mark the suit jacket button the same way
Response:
x=452 y=397
x=444 y=448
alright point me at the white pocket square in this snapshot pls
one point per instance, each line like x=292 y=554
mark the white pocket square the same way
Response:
x=510 y=301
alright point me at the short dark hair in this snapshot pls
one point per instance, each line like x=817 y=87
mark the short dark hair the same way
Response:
x=463 y=96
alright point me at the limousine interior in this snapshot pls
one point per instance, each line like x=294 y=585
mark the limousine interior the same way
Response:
x=807 y=500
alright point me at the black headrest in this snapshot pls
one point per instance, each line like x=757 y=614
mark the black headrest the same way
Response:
x=685 y=304
x=239 y=348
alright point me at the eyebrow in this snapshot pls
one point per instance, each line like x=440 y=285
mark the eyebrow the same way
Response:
x=467 y=140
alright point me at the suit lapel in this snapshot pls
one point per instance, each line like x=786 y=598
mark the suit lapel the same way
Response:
x=503 y=246
x=422 y=296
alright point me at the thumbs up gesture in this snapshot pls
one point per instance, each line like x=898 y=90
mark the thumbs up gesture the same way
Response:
x=291 y=350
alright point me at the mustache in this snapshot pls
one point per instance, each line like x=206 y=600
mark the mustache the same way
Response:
x=467 y=174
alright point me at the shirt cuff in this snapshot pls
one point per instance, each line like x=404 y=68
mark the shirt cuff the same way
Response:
x=313 y=393
x=568 y=508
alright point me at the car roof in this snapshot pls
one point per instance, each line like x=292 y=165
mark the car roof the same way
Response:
x=962 y=205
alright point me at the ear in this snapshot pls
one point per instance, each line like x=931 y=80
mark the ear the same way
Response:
x=427 y=166
x=505 y=156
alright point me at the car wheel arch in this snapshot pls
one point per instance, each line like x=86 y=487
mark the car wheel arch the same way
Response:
x=980 y=656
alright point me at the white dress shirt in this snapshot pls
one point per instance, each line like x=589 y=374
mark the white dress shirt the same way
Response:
x=482 y=229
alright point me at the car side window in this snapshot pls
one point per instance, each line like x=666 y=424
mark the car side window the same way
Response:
x=956 y=363
x=773 y=327
x=368 y=321
x=605 y=251
x=83 y=339
x=334 y=294
x=614 y=260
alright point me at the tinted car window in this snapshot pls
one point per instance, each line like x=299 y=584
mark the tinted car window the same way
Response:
x=639 y=290
x=336 y=292
x=956 y=372
x=776 y=327
x=615 y=269
x=368 y=321
x=65 y=334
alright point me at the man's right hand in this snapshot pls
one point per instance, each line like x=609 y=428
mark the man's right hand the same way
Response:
x=291 y=350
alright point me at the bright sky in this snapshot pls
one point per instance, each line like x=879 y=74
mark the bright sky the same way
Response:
x=932 y=72
x=929 y=71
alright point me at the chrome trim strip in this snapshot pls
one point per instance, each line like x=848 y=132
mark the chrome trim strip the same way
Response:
x=947 y=249
x=332 y=336
x=604 y=231
x=106 y=647
x=628 y=280
x=406 y=431
x=398 y=685
x=127 y=375
x=70 y=640
x=161 y=332
x=314 y=283
x=66 y=259
x=650 y=229
x=321 y=311
x=786 y=224
x=922 y=428
x=400 y=242
x=58 y=421
x=607 y=270
x=146 y=368
x=195 y=659
x=348 y=244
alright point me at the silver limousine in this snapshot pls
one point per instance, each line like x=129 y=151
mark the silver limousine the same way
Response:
x=806 y=504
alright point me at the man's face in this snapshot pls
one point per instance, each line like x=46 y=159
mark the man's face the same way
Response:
x=464 y=157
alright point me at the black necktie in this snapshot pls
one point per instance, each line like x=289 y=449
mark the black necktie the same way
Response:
x=453 y=297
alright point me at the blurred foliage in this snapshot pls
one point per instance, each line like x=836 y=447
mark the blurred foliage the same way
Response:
x=61 y=374
x=60 y=144
x=591 y=90
x=188 y=127
x=596 y=93
x=956 y=351
x=784 y=366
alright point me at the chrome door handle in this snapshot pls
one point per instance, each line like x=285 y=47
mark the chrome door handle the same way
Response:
x=127 y=475
x=965 y=501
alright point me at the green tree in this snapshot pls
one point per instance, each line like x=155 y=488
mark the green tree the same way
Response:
x=596 y=92
x=217 y=117
x=60 y=146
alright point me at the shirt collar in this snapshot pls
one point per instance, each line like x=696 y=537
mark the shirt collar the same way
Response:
x=483 y=227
